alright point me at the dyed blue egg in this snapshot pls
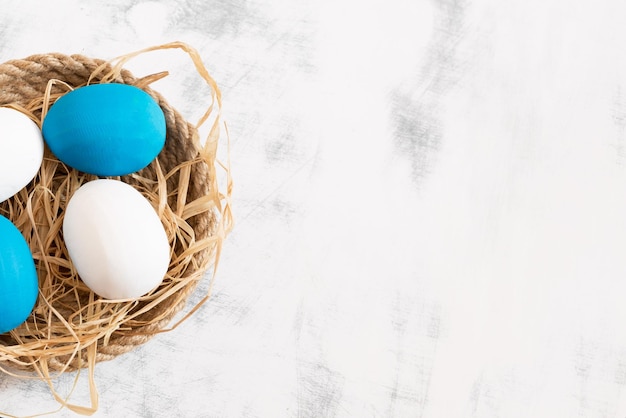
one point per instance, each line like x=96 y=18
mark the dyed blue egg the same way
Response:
x=18 y=277
x=105 y=129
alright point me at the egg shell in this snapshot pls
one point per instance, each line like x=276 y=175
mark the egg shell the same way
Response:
x=21 y=151
x=115 y=240
x=105 y=129
x=18 y=277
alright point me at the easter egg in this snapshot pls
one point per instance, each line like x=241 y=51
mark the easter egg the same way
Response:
x=115 y=240
x=105 y=129
x=21 y=151
x=18 y=277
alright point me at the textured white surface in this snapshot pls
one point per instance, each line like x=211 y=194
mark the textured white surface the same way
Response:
x=430 y=201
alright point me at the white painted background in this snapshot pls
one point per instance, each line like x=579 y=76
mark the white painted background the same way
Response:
x=430 y=202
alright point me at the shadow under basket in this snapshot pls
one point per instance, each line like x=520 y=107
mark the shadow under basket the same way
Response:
x=70 y=327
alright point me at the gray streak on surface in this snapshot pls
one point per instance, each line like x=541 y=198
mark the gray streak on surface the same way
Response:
x=416 y=104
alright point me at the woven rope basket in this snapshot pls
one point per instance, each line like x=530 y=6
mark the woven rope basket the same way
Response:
x=70 y=327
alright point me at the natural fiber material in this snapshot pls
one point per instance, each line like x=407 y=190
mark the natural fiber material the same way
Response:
x=71 y=328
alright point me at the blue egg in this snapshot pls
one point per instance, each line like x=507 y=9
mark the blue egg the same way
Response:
x=105 y=129
x=18 y=277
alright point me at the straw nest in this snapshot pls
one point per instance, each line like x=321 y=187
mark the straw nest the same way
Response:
x=70 y=327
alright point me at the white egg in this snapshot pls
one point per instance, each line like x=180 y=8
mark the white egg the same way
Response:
x=21 y=151
x=115 y=240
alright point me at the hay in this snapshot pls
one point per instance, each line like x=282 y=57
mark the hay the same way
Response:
x=72 y=328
